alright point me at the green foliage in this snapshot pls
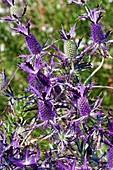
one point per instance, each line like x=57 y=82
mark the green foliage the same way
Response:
x=47 y=18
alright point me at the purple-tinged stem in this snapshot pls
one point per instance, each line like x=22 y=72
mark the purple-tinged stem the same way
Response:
x=103 y=87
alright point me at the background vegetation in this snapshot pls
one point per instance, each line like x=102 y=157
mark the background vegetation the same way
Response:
x=47 y=18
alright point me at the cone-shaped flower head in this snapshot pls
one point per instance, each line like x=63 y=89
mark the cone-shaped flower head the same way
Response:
x=96 y=29
x=46 y=110
x=81 y=100
x=83 y=106
x=69 y=44
x=110 y=126
x=97 y=34
x=37 y=80
x=33 y=45
x=83 y=103
x=110 y=158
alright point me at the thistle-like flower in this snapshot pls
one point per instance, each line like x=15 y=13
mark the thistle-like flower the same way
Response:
x=33 y=45
x=110 y=158
x=83 y=103
x=69 y=44
x=46 y=110
x=97 y=34
x=110 y=132
x=16 y=11
x=110 y=126
x=70 y=53
x=37 y=80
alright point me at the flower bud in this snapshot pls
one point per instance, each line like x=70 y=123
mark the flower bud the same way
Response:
x=16 y=12
x=70 y=48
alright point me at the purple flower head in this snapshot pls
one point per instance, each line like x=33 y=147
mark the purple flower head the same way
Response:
x=97 y=34
x=83 y=106
x=13 y=155
x=110 y=132
x=82 y=102
x=110 y=126
x=110 y=158
x=46 y=110
x=96 y=29
x=37 y=80
x=33 y=45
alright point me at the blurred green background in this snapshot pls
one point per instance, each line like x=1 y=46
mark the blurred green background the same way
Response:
x=47 y=18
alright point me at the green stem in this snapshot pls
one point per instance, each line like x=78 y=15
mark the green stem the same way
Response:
x=98 y=68
x=103 y=87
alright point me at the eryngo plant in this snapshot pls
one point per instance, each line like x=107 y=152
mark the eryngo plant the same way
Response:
x=97 y=35
x=77 y=132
